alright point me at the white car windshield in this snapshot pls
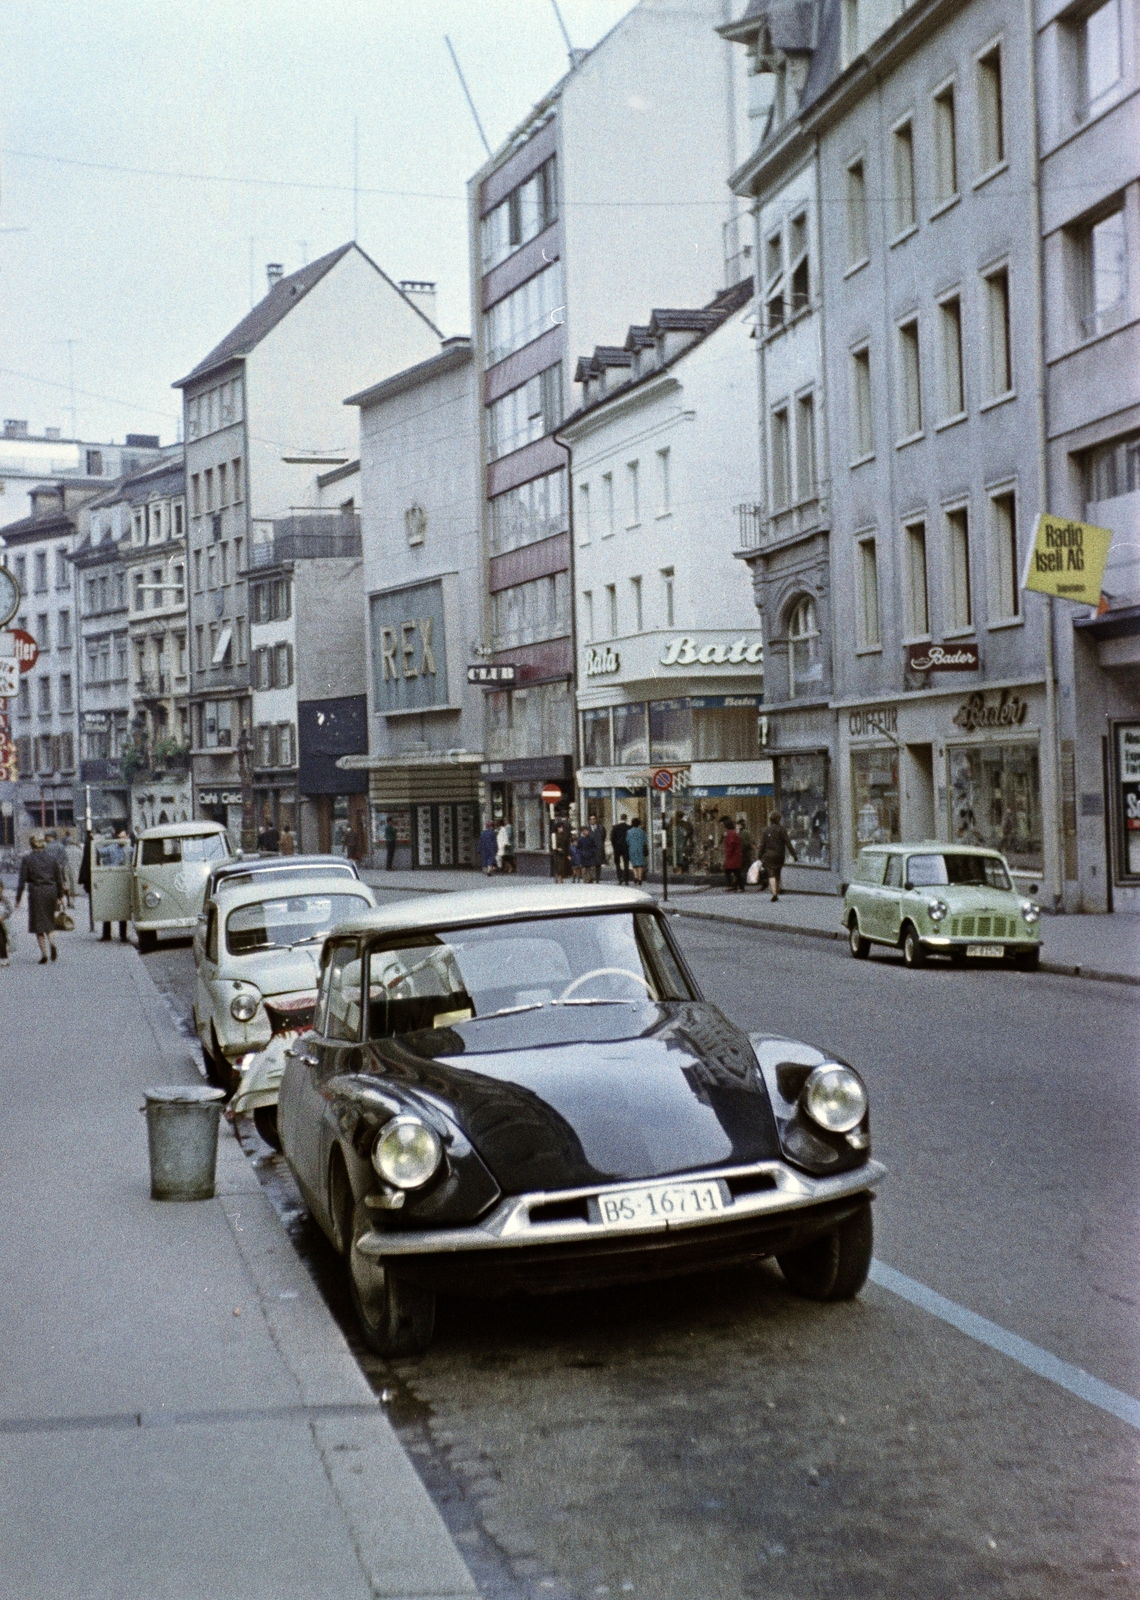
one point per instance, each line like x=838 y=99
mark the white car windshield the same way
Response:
x=279 y=923
x=952 y=867
x=427 y=980
x=198 y=847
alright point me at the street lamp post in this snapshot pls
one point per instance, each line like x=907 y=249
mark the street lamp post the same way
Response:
x=245 y=767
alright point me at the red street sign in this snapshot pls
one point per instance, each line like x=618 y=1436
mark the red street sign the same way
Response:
x=663 y=779
x=552 y=793
x=27 y=651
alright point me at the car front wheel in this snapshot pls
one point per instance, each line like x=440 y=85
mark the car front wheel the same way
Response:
x=913 y=953
x=395 y=1317
x=265 y=1121
x=859 y=947
x=834 y=1267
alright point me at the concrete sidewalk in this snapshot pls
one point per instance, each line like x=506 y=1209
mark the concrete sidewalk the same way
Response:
x=1106 y=947
x=182 y=1417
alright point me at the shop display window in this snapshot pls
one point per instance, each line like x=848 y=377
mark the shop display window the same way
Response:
x=801 y=796
x=875 y=797
x=995 y=800
x=670 y=731
x=1128 y=778
x=726 y=733
x=597 y=746
x=631 y=743
x=535 y=721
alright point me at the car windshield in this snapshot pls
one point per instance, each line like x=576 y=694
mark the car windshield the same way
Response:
x=987 y=872
x=428 y=980
x=288 y=920
x=167 y=852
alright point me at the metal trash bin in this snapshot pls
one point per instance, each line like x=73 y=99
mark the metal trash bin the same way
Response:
x=182 y=1135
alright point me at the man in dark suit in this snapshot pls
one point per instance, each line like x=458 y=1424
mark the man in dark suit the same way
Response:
x=621 y=851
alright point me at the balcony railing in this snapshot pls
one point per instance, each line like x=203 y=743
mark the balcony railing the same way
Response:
x=312 y=536
x=757 y=530
x=153 y=685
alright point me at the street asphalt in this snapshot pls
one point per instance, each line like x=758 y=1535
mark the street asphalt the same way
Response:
x=717 y=1439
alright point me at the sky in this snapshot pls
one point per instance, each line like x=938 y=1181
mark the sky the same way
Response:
x=154 y=157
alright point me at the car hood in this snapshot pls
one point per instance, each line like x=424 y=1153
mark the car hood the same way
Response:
x=970 y=897
x=280 y=973
x=567 y=1096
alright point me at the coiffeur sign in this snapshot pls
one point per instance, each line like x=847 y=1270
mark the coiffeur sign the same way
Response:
x=1067 y=559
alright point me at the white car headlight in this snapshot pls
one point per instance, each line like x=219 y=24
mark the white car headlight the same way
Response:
x=243 y=1006
x=1030 y=913
x=407 y=1152
x=151 y=899
x=937 y=909
x=835 y=1098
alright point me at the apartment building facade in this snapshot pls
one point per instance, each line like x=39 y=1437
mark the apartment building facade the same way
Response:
x=1089 y=129
x=423 y=577
x=261 y=410
x=28 y=459
x=597 y=177
x=670 y=653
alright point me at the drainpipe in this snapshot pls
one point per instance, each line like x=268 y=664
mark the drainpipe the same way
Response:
x=574 y=751
x=1051 y=754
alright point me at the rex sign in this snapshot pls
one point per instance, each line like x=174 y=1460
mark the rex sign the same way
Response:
x=409 y=656
x=1067 y=559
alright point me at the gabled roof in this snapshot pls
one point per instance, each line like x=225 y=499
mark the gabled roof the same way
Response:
x=276 y=305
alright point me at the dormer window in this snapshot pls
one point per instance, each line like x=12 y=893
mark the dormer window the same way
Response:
x=773 y=283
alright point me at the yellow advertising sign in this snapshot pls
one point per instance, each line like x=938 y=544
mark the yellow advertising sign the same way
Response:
x=1067 y=559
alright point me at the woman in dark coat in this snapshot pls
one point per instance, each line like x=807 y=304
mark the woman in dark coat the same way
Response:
x=774 y=847
x=42 y=875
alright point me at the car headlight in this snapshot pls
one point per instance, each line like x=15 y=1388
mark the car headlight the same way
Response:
x=937 y=909
x=243 y=1007
x=407 y=1152
x=835 y=1098
x=1030 y=913
x=151 y=899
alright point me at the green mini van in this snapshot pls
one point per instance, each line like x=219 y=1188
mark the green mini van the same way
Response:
x=934 y=898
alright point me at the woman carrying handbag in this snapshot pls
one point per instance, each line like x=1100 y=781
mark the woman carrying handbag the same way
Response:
x=42 y=875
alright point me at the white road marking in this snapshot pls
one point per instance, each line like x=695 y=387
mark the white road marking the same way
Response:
x=1042 y=1362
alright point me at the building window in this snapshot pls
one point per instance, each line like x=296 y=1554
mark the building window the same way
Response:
x=635 y=595
x=953 y=389
x=995 y=801
x=65 y=691
x=910 y=374
x=917 y=594
x=209 y=476
x=527 y=613
x=526 y=212
x=24 y=756
x=1099 y=57
x=806 y=482
x=774 y=283
x=862 y=431
x=179 y=519
x=991 y=125
x=237 y=481
x=217 y=724
x=633 y=479
x=1006 y=600
x=799 y=267
x=805 y=661
x=121 y=657
x=270 y=601
x=945 y=147
x=41 y=571
x=223 y=485
x=22 y=573
x=196 y=494
x=959 y=606
x=664 y=497
x=197 y=572
x=903 y=145
x=588 y=614
x=286 y=744
x=533 y=511
x=1103 y=272
x=120 y=590
x=525 y=314
x=781 y=459
x=66 y=752
x=24 y=693
x=875 y=796
x=43 y=633
x=850 y=31
x=94 y=463
x=583 y=513
x=867 y=572
x=1111 y=470
x=200 y=639
x=667 y=595
x=43 y=702
x=1000 y=350
x=597 y=744
x=63 y=630
x=62 y=567
x=611 y=609
x=857 y=249
x=526 y=413
x=608 y=496
x=283 y=666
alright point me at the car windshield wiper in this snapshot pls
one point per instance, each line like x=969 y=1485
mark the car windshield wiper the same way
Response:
x=609 y=1000
x=312 y=938
x=513 y=1011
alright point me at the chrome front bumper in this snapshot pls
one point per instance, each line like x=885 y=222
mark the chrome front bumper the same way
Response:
x=510 y=1225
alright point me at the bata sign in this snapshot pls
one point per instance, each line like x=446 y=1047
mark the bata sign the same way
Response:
x=687 y=652
x=601 y=659
x=942 y=658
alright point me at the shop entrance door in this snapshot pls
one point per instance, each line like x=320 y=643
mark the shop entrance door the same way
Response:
x=444 y=835
x=918 y=792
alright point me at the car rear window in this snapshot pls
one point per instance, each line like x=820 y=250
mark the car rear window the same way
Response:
x=953 y=867
x=429 y=980
x=288 y=920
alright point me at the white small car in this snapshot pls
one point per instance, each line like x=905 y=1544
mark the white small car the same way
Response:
x=257 y=970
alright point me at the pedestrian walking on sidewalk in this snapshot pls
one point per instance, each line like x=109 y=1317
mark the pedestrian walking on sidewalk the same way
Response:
x=637 y=850
x=587 y=859
x=599 y=834
x=5 y=934
x=72 y=865
x=775 y=846
x=747 y=849
x=733 y=869
x=505 y=839
x=287 y=844
x=488 y=847
x=41 y=875
x=619 y=833
x=390 y=837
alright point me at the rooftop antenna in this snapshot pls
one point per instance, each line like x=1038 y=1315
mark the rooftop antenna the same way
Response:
x=467 y=92
x=575 y=55
x=71 y=343
x=355 y=178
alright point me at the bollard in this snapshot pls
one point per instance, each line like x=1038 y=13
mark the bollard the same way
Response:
x=182 y=1135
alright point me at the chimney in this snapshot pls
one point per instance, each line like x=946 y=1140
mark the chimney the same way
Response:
x=14 y=428
x=51 y=433
x=274 y=271
x=421 y=292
